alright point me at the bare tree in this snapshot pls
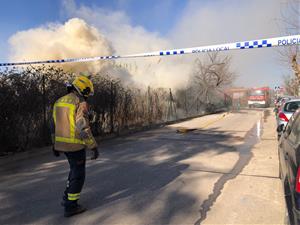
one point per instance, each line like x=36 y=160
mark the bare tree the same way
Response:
x=290 y=20
x=211 y=76
x=291 y=84
x=296 y=65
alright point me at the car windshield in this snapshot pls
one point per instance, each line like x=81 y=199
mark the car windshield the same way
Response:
x=291 y=106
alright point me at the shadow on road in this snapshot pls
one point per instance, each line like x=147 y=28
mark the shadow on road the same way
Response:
x=135 y=168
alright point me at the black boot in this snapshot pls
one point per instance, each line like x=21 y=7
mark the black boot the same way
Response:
x=71 y=211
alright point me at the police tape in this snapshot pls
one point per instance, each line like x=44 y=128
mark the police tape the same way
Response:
x=261 y=43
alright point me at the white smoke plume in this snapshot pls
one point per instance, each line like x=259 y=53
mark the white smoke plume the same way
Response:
x=73 y=39
x=128 y=39
x=100 y=32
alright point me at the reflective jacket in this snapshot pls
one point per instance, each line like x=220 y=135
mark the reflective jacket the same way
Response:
x=72 y=129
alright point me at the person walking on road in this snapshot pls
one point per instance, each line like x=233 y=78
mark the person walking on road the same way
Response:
x=72 y=135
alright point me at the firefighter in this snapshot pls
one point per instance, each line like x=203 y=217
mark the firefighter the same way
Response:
x=72 y=136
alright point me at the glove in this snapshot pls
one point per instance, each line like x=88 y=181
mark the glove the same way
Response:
x=55 y=152
x=95 y=153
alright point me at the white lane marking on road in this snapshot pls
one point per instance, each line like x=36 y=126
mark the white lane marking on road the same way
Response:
x=258 y=128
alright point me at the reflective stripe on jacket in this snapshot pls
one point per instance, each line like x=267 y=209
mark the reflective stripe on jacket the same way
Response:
x=72 y=130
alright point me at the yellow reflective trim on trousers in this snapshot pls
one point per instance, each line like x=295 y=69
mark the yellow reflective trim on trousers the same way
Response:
x=69 y=140
x=73 y=198
x=73 y=195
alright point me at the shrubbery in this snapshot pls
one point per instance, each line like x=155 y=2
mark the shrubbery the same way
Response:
x=27 y=97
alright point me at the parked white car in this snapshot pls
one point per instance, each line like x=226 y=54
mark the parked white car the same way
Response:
x=285 y=113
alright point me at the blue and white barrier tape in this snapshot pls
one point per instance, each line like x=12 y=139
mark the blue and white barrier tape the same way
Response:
x=262 y=43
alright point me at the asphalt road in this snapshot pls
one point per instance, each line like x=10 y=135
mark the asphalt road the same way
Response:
x=225 y=171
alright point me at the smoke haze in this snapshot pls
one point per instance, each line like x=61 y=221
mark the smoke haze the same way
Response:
x=73 y=39
x=95 y=31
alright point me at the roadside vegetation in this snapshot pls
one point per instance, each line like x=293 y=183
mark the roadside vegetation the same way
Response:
x=28 y=94
x=291 y=55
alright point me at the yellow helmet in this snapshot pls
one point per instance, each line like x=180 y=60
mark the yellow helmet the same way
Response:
x=83 y=85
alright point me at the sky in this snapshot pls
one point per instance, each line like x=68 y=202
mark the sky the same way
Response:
x=135 y=26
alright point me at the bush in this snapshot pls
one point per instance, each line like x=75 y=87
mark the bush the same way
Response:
x=27 y=97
